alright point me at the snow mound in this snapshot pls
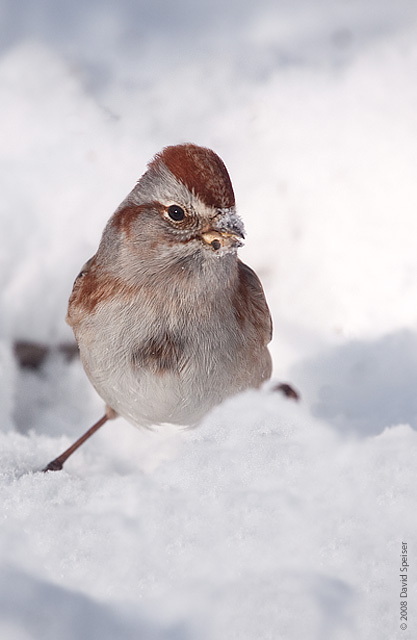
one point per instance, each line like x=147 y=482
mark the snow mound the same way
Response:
x=272 y=520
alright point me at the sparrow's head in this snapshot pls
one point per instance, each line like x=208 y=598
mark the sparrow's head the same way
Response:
x=183 y=205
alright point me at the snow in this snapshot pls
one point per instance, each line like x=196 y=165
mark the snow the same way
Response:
x=272 y=519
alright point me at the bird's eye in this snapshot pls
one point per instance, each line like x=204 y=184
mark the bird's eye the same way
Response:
x=176 y=213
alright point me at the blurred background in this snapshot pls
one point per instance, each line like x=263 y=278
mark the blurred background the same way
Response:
x=271 y=507
x=312 y=106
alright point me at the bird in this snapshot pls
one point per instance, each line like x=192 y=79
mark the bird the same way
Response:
x=169 y=321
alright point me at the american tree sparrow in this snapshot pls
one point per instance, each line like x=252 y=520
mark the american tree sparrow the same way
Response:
x=168 y=320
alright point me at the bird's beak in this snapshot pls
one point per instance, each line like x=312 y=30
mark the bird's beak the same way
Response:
x=225 y=231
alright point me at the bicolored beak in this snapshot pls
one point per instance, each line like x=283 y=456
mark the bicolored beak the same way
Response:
x=225 y=231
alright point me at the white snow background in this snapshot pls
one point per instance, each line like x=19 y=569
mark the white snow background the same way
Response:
x=272 y=520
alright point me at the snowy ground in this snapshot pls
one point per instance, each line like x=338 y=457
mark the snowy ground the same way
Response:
x=272 y=520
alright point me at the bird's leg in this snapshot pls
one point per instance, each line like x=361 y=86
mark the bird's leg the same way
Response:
x=58 y=463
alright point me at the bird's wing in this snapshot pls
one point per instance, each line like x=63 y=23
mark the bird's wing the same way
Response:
x=76 y=289
x=251 y=302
